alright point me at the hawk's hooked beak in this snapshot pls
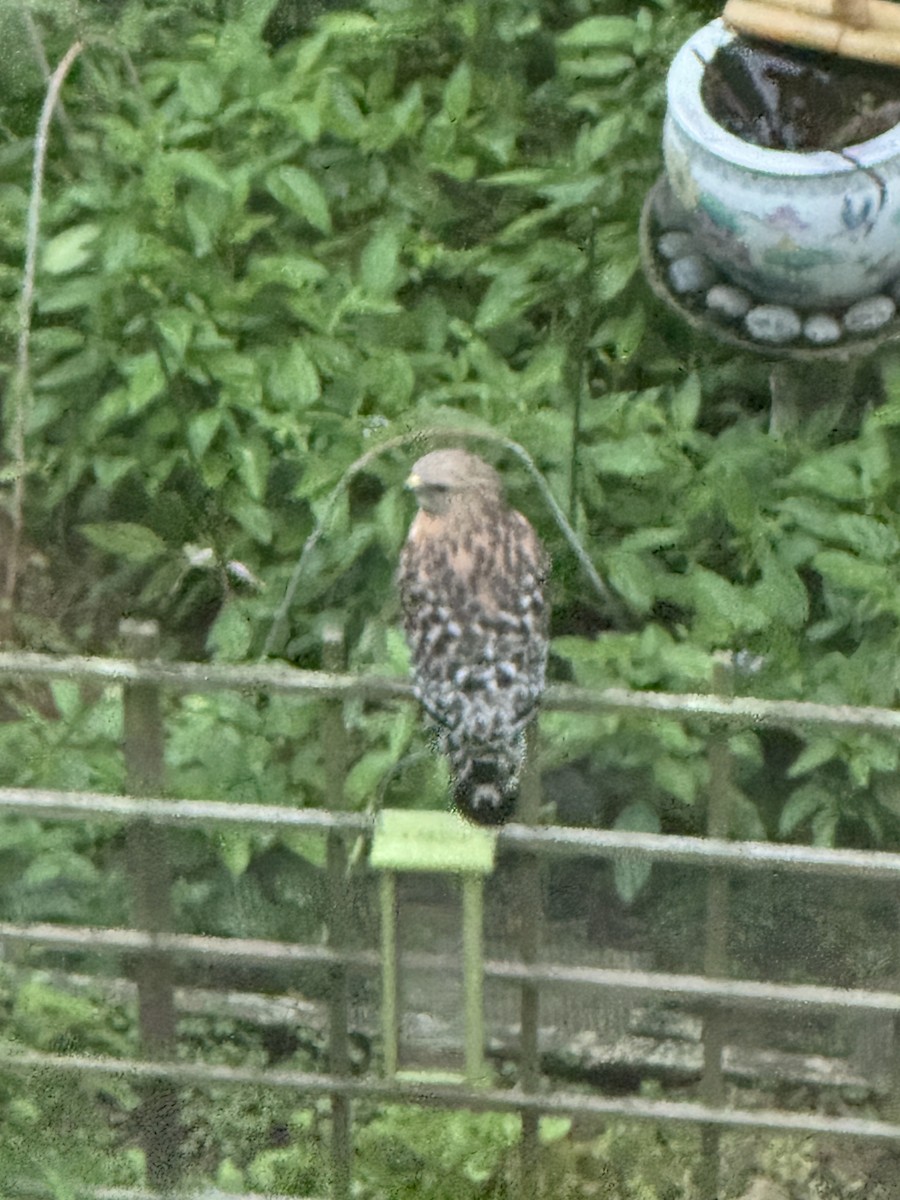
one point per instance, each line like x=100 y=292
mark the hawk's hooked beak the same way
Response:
x=414 y=481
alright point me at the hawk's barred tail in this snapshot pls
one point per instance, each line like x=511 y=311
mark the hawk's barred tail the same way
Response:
x=485 y=783
x=484 y=803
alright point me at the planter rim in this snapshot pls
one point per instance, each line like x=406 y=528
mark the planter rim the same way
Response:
x=685 y=103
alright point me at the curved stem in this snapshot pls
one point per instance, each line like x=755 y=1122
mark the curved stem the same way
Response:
x=279 y=620
x=20 y=390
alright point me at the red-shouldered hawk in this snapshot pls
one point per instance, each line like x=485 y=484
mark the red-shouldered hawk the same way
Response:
x=471 y=578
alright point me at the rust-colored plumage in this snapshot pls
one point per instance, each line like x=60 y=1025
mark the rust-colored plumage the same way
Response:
x=471 y=578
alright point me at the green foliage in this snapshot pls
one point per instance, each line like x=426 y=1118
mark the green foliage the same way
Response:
x=259 y=262
x=56 y=1129
x=439 y=1155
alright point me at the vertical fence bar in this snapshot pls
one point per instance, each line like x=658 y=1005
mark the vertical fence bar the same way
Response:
x=715 y=951
x=531 y=913
x=473 y=967
x=335 y=741
x=390 y=985
x=149 y=869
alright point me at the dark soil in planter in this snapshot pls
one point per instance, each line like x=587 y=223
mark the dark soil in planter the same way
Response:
x=784 y=98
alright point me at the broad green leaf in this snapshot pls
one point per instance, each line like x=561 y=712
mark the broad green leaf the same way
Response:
x=829 y=472
x=109 y=470
x=70 y=249
x=554 y=1129
x=255 y=519
x=746 y=823
x=616 y=274
x=146 y=380
x=631 y=577
x=597 y=67
x=200 y=89
x=824 y=822
x=136 y=543
x=598 y=140
x=365 y=775
x=867 y=536
x=781 y=592
x=458 y=92
x=297 y=190
x=686 y=403
x=598 y=31
x=407 y=114
x=378 y=263
x=229 y=1177
x=72 y=369
x=680 y=776
x=623 y=334
x=632 y=456
x=847 y=570
x=390 y=380
x=507 y=296
x=67 y=698
x=56 y=340
x=545 y=370
x=202 y=429
x=339 y=112
x=235 y=850
x=253 y=466
x=293 y=379
x=80 y=292
x=291 y=270
x=231 y=635
x=348 y=25
x=311 y=845
x=194 y=164
x=176 y=326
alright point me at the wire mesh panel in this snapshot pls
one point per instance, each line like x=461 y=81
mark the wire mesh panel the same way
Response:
x=534 y=969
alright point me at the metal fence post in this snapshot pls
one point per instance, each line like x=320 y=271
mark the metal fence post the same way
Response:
x=473 y=974
x=531 y=914
x=715 y=951
x=335 y=741
x=147 y=857
x=390 y=973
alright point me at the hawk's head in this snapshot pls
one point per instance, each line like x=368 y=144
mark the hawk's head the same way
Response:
x=444 y=476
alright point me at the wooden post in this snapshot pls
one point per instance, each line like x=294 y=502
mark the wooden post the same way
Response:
x=147 y=856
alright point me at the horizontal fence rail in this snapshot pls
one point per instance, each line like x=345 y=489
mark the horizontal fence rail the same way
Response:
x=734 y=993
x=435 y=1094
x=31 y=1192
x=153 y=946
x=325 y=685
x=555 y=840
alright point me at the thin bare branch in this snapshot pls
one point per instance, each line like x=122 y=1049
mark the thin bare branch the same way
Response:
x=418 y=437
x=37 y=46
x=21 y=384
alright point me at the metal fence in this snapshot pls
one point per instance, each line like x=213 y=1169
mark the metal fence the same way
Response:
x=147 y=819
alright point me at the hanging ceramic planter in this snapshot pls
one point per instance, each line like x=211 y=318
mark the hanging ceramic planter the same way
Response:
x=817 y=230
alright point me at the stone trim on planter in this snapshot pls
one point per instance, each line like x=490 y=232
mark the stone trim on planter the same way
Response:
x=705 y=298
